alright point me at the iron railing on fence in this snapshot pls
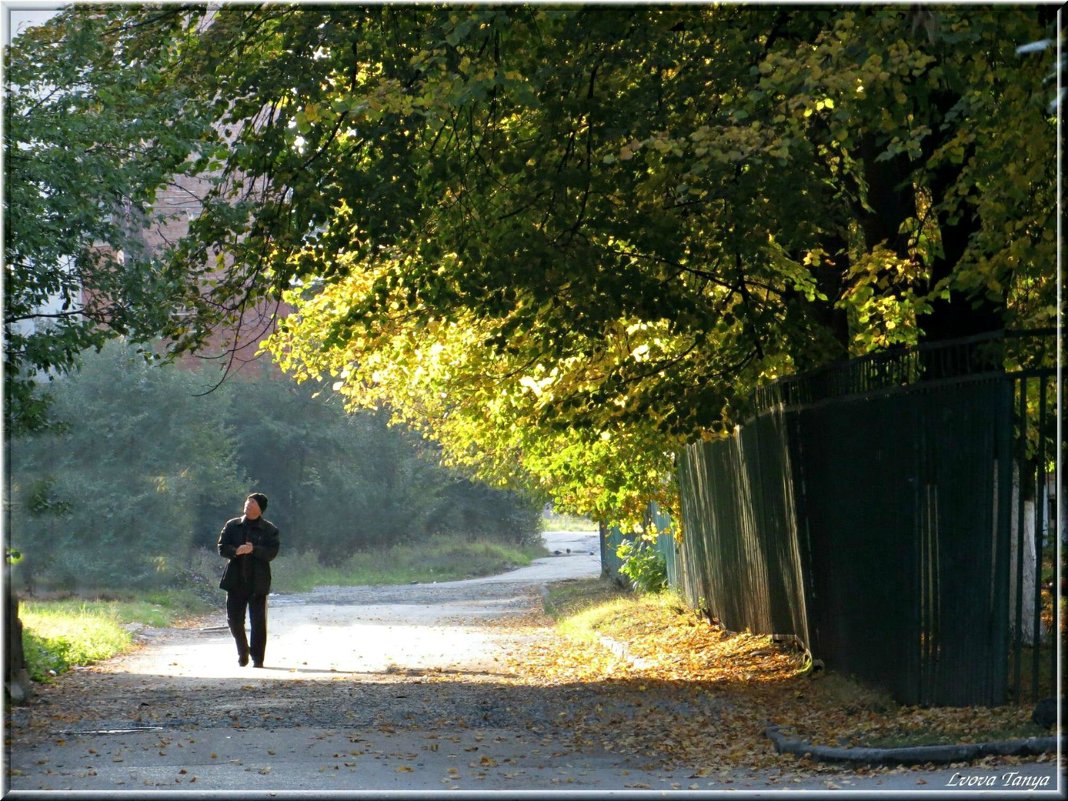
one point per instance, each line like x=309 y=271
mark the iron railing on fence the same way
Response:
x=868 y=509
x=1036 y=533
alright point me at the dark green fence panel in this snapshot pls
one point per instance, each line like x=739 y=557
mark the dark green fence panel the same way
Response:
x=900 y=515
x=668 y=548
x=865 y=508
x=861 y=561
x=741 y=546
x=696 y=497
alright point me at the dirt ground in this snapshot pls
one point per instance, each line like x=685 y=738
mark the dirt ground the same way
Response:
x=415 y=687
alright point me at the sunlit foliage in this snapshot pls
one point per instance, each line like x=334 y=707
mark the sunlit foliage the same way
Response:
x=563 y=240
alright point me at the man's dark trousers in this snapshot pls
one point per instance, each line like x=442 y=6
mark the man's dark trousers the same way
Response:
x=256 y=603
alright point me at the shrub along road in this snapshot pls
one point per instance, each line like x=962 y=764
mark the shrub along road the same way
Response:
x=428 y=687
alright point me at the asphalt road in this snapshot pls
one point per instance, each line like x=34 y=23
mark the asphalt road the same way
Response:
x=375 y=690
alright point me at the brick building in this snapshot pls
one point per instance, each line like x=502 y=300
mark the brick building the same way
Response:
x=234 y=346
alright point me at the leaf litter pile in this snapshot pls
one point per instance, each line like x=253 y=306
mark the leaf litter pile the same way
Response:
x=676 y=690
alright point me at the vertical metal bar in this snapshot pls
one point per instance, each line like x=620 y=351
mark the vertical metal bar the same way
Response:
x=1057 y=692
x=1021 y=449
x=1055 y=537
x=928 y=477
x=930 y=593
x=1040 y=485
x=795 y=440
x=999 y=614
x=917 y=461
x=935 y=560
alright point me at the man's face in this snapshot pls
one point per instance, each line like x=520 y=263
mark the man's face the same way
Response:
x=252 y=509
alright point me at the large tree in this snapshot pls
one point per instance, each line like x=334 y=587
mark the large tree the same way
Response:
x=93 y=131
x=567 y=239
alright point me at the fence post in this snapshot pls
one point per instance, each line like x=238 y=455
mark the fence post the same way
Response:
x=1003 y=494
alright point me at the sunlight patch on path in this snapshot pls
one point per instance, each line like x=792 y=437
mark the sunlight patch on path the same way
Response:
x=336 y=632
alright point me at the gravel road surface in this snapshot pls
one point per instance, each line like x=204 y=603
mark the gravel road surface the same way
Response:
x=369 y=690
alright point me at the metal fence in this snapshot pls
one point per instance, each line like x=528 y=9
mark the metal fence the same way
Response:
x=1036 y=534
x=873 y=510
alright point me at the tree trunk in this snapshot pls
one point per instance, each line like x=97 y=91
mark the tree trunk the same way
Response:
x=957 y=316
x=16 y=676
x=602 y=537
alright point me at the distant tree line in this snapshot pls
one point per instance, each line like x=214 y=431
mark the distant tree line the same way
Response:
x=141 y=468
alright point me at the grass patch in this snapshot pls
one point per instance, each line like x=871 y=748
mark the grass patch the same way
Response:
x=623 y=617
x=555 y=522
x=60 y=634
x=439 y=559
x=590 y=608
x=567 y=598
x=580 y=606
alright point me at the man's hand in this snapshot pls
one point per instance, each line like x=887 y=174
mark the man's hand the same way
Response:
x=244 y=548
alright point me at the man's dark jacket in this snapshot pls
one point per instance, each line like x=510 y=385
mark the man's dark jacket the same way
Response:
x=248 y=572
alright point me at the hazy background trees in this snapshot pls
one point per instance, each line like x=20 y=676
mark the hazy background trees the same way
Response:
x=141 y=468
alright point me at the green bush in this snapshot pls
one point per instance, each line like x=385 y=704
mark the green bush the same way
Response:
x=478 y=511
x=643 y=565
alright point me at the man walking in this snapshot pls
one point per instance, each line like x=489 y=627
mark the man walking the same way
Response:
x=250 y=543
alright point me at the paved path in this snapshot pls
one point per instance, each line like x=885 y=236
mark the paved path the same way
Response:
x=400 y=688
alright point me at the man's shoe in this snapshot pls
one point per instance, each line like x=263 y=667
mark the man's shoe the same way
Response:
x=242 y=660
